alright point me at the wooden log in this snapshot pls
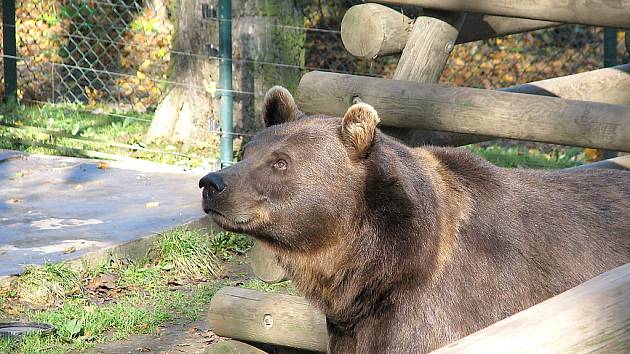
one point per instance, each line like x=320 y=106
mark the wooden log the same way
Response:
x=616 y=163
x=265 y=265
x=277 y=319
x=233 y=347
x=371 y=30
x=608 y=85
x=592 y=317
x=469 y=110
x=423 y=59
x=596 y=12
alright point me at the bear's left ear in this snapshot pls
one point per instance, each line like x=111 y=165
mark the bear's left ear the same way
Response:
x=358 y=128
x=279 y=107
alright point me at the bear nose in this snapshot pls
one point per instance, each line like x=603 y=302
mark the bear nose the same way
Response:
x=213 y=181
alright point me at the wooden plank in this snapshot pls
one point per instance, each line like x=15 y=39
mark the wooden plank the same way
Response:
x=592 y=317
x=468 y=110
x=371 y=30
x=595 y=12
x=233 y=347
x=265 y=265
x=277 y=319
x=617 y=163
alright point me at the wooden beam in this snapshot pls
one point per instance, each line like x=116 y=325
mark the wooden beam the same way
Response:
x=474 y=111
x=596 y=12
x=592 y=317
x=277 y=319
x=608 y=85
x=617 y=163
x=265 y=265
x=423 y=59
x=232 y=347
x=371 y=30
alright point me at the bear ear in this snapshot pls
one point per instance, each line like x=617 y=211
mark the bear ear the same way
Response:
x=358 y=128
x=279 y=107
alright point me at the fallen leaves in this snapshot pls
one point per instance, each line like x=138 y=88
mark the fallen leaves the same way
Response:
x=103 y=165
x=70 y=249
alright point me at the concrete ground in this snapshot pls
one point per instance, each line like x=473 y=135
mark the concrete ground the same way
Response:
x=57 y=208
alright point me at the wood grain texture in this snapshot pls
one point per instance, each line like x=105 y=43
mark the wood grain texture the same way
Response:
x=475 y=111
x=277 y=319
x=371 y=30
x=592 y=317
x=616 y=163
x=608 y=85
x=614 y=13
x=233 y=347
x=265 y=265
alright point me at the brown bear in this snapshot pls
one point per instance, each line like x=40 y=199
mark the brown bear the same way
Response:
x=408 y=249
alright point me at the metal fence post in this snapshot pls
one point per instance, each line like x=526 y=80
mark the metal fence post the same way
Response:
x=225 y=81
x=10 y=52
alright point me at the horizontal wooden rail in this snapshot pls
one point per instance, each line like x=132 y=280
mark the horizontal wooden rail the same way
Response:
x=371 y=30
x=592 y=317
x=473 y=111
x=595 y=12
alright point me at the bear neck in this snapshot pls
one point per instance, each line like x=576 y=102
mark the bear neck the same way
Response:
x=411 y=202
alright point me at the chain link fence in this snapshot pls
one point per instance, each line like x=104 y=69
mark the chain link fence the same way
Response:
x=115 y=57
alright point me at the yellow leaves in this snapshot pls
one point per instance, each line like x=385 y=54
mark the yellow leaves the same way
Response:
x=103 y=165
x=140 y=75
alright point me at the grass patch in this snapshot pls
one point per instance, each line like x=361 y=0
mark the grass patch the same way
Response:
x=228 y=244
x=112 y=300
x=522 y=157
x=187 y=253
x=285 y=287
x=73 y=130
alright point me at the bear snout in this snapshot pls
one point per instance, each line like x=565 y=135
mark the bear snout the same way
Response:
x=212 y=181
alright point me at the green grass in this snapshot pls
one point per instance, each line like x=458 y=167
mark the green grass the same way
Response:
x=73 y=130
x=520 y=157
x=228 y=244
x=146 y=294
x=282 y=287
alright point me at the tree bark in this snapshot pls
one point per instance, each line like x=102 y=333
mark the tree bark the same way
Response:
x=185 y=112
x=263 y=35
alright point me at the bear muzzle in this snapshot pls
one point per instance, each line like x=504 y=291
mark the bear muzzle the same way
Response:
x=213 y=185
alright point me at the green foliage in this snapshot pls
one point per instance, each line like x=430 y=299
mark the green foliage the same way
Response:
x=282 y=287
x=187 y=252
x=228 y=244
x=521 y=157
x=47 y=284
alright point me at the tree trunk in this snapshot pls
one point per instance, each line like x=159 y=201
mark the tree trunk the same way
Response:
x=185 y=112
x=266 y=32
x=262 y=32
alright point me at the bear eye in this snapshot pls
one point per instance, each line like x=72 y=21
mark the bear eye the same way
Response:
x=280 y=165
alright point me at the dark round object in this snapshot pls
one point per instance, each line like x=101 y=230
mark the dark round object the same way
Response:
x=15 y=330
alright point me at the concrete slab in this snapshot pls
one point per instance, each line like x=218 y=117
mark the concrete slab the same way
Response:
x=59 y=208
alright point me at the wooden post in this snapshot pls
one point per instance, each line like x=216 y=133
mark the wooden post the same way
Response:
x=592 y=317
x=423 y=59
x=371 y=30
x=265 y=265
x=617 y=163
x=277 y=319
x=596 y=13
x=468 y=110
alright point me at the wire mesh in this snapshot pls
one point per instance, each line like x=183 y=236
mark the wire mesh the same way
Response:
x=116 y=57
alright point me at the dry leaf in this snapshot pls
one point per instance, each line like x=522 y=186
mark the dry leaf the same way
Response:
x=69 y=249
x=78 y=187
x=103 y=165
x=12 y=201
x=153 y=204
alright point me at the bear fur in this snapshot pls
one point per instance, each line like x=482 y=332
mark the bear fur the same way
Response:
x=408 y=249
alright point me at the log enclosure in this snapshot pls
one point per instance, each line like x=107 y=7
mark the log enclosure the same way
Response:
x=590 y=109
